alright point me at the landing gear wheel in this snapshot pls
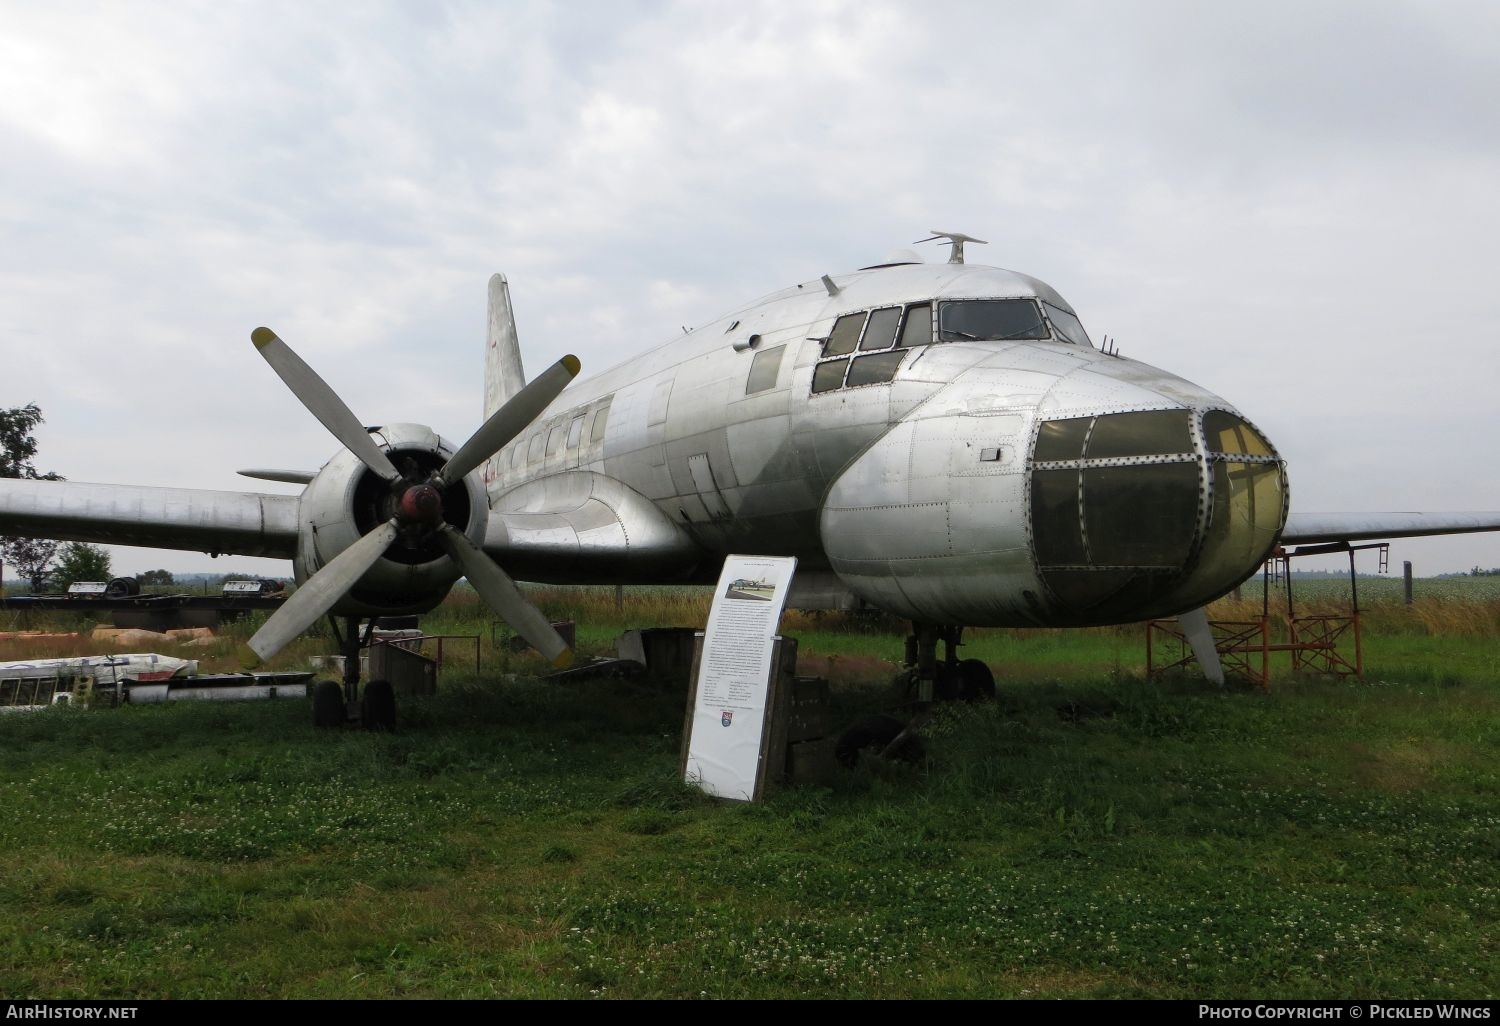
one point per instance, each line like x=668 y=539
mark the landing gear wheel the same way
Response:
x=328 y=705
x=975 y=681
x=949 y=684
x=379 y=708
x=876 y=734
x=122 y=587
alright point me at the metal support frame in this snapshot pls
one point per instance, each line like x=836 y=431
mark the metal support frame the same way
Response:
x=1317 y=643
x=439 y=638
x=1244 y=648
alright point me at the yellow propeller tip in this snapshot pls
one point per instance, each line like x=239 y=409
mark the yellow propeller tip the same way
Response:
x=249 y=660
x=262 y=337
x=571 y=362
x=564 y=659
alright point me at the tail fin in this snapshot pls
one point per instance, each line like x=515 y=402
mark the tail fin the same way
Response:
x=503 y=374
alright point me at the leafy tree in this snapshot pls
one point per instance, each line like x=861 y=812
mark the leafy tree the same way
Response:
x=80 y=561
x=155 y=577
x=18 y=445
x=30 y=557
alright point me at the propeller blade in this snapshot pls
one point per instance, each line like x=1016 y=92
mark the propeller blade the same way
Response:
x=510 y=420
x=497 y=589
x=319 y=592
x=285 y=476
x=322 y=402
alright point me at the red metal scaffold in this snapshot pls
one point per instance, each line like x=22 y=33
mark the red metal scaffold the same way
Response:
x=1317 y=643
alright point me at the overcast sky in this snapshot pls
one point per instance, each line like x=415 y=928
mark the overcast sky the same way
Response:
x=1295 y=205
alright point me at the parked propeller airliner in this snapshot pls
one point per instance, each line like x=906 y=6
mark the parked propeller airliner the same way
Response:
x=941 y=441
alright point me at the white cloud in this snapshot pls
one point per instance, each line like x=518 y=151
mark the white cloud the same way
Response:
x=1291 y=204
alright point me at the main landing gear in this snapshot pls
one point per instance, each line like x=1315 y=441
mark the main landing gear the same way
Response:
x=925 y=680
x=928 y=679
x=336 y=705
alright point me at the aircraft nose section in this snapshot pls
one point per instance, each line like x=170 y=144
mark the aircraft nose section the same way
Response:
x=1150 y=513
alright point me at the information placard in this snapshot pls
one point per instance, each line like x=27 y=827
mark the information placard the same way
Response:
x=735 y=671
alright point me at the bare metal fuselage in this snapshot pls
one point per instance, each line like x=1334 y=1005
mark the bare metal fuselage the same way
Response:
x=878 y=425
x=924 y=493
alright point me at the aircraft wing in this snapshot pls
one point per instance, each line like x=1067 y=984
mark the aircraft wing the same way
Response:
x=242 y=523
x=1309 y=528
x=580 y=526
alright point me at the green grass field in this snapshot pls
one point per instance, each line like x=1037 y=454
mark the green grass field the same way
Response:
x=1088 y=835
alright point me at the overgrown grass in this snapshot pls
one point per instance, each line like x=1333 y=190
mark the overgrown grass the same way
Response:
x=1087 y=835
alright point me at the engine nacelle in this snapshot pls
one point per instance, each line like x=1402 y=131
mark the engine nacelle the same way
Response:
x=347 y=500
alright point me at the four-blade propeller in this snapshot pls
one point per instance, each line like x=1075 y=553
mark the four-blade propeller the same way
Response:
x=418 y=508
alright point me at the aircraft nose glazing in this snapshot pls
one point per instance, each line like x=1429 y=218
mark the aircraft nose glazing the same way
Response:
x=1149 y=513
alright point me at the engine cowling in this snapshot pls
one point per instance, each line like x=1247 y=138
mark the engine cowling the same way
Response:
x=346 y=500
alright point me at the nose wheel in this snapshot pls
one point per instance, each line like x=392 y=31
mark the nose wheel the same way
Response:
x=925 y=680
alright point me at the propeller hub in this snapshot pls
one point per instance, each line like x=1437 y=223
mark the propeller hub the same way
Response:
x=422 y=504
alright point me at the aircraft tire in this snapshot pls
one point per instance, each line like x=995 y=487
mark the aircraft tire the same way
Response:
x=122 y=587
x=875 y=733
x=975 y=681
x=379 y=707
x=949 y=684
x=328 y=705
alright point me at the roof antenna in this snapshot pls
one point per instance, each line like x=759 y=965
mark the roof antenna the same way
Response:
x=957 y=238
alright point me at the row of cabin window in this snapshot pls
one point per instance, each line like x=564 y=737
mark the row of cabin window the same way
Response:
x=550 y=442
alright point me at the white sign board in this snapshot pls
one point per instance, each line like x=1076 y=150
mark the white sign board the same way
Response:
x=734 y=674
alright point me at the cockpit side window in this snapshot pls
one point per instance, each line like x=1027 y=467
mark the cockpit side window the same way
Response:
x=873 y=369
x=917 y=331
x=881 y=331
x=845 y=335
x=1066 y=326
x=990 y=320
x=829 y=375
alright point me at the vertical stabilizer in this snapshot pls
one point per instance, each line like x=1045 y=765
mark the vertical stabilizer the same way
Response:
x=503 y=374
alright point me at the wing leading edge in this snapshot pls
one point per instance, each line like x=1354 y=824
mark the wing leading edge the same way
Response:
x=241 y=523
x=1310 y=528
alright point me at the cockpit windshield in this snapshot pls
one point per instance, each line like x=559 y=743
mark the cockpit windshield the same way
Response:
x=990 y=320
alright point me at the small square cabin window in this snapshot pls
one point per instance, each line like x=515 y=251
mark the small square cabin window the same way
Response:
x=575 y=432
x=555 y=439
x=601 y=418
x=534 y=450
x=845 y=335
x=764 y=370
x=829 y=376
x=518 y=456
